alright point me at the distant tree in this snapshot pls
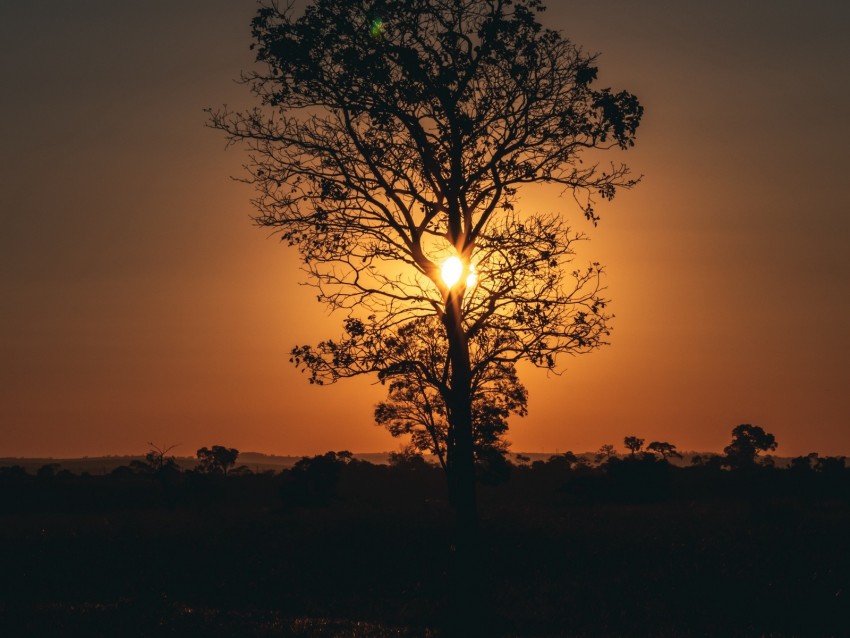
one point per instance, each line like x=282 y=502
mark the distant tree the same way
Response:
x=344 y=456
x=663 y=449
x=747 y=441
x=156 y=459
x=633 y=444
x=216 y=460
x=605 y=453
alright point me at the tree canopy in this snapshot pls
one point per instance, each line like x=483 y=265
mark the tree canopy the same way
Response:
x=392 y=135
x=216 y=460
x=747 y=441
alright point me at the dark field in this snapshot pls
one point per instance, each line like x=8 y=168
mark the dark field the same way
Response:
x=355 y=549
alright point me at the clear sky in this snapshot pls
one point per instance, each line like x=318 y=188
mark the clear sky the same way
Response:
x=139 y=303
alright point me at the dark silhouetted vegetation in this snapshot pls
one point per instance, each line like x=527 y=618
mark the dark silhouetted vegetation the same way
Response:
x=633 y=444
x=580 y=546
x=390 y=139
x=747 y=441
x=217 y=459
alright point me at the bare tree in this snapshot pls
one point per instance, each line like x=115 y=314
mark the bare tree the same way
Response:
x=390 y=142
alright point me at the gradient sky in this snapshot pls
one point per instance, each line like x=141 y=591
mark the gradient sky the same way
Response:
x=139 y=303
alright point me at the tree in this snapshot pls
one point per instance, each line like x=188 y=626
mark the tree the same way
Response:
x=389 y=147
x=747 y=441
x=663 y=449
x=157 y=461
x=416 y=407
x=605 y=454
x=633 y=444
x=216 y=460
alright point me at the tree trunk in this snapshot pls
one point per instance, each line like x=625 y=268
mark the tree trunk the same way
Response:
x=465 y=602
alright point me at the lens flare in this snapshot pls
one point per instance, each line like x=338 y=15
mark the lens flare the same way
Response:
x=472 y=277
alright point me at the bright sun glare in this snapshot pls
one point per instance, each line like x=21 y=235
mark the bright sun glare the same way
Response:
x=452 y=270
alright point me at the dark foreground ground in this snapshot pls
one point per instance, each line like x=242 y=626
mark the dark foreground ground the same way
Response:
x=355 y=549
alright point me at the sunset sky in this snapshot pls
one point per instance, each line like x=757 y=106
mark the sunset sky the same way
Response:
x=140 y=303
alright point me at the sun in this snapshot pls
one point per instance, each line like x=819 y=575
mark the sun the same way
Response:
x=452 y=270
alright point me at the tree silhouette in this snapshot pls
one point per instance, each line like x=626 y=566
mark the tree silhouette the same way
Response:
x=633 y=444
x=605 y=453
x=663 y=449
x=747 y=441
x=216 y=460
x=157 y=461
x=391 y=140
x=416 y=371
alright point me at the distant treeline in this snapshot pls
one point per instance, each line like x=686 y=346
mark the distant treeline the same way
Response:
x=646 y=473
x=630 y=544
